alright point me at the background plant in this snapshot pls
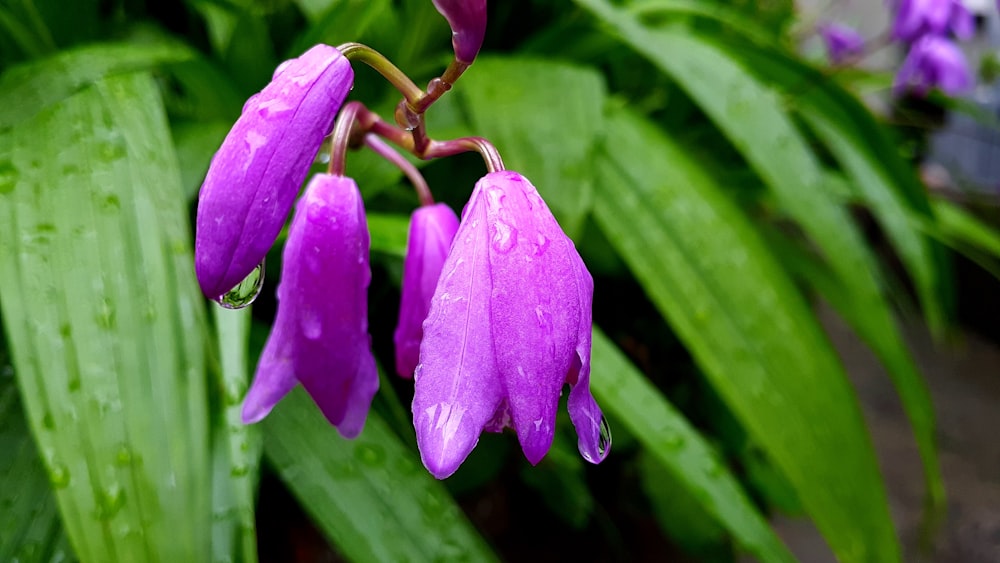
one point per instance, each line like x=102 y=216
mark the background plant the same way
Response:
x=712 y=179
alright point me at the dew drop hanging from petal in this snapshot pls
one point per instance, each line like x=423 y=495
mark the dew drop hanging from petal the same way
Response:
x=605 y=443
x=246 y=291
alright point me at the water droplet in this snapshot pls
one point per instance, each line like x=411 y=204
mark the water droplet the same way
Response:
x=369 y=454
x=8 y=177
x=48 y=421
x=111 y=151
x=110 y=501
x=605 y=442
x=673 y=441
x=714 y=468
x=505 y=237
x=106 y=315
x=124 y=455
x=240 y=471
x=58 y=476
x=246 y=291
x=74 y=383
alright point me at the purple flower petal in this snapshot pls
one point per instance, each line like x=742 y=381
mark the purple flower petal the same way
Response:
x=509 y=325
x=917 y=18
x=457 y=388
x=256 y=173
x=432 y=228
x=842 y=42
x=320 y=336
x=467 y=19
x=933 y=62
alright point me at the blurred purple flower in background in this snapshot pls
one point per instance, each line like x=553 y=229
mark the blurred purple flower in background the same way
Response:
x=916 y=18
x=933 y=62
x=842 y=42
x=256 y=173
x=320 y=334
x=432 y=228
x=509 y=326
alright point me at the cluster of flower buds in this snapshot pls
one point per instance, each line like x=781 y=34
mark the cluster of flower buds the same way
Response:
x=929 y=28
x=495 y=313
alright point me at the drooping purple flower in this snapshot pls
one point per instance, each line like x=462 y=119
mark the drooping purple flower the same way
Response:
x=432 y=228
x=467 y=19
x=320 y=334
x=842 y=42
x=933 y=62
x=509 y=325
x=916 y=18
x=256 y=173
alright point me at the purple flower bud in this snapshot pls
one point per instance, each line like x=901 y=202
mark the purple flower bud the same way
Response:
x=933 y=62
x=467 y=19
x=320 y=335
x=916 y=18
x=256 y=173
x=509 y=325
x=432 y=228
x=842 y=42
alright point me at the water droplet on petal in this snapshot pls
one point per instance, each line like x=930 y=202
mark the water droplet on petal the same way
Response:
x=246 y=291
x=605 y=442
x=505 y=237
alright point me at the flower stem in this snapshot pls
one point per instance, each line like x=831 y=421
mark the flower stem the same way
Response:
x=374 y=59
x=417 y=179
x=467 y=144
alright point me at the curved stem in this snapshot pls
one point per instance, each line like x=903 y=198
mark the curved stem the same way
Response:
x=374 y=59
x=411 y=172
x=467 y=144
x=341 y=137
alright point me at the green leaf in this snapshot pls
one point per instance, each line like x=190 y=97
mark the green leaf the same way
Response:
x=104 y=318
x=236 y=446
x=26 y=90
x=29 y=522
x=623 y=392
x=388 y=233
x=370 y=496
x=749 y=329
x=521 y=106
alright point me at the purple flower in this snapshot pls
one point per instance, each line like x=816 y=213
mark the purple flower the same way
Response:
x=933 y=62
x=256 y=174
x=916 y=18
x=467 y=19
x=842 y=42
x=509 y=325
x=320 y=335
x=432 y=228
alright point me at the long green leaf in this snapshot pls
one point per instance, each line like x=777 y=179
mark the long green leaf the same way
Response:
x=748 y=328
x=104 y=319
x=236 y=447
x=679 y=448
x=753 y=118
x=26 y=90
x=29 y=522
x=370 y=496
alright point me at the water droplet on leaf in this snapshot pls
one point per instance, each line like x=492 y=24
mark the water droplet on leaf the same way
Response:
x=8 y=177
x=58 y=476
x=246 y=291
